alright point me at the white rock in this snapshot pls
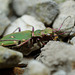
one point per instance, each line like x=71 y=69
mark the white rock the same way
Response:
x=37 y=68
x=57 y=56
x=25 y=23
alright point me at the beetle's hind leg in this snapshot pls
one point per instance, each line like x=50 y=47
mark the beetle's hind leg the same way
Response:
x=30 y=43
x=23 y=43
x=40 y=42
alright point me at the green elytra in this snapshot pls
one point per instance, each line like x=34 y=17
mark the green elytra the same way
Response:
x=23 y=36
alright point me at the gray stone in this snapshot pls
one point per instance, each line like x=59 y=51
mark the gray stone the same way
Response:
x=72 y=72
x=57 y=56
x=43 y=10
x=66 y=10
x=73 y=32
x=4 y=22
x=4 y=6
x=13 y=18
x=72 y=41
x=9 y=58
x=26 y=60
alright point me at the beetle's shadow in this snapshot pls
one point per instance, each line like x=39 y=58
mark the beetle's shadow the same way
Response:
x=34 y=54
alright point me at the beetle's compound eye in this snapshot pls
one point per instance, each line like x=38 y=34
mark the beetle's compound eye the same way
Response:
x=48 y=34
x=12 y=36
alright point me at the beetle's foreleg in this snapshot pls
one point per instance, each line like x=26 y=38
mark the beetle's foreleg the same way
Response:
x=17 y=29
x=39 y=40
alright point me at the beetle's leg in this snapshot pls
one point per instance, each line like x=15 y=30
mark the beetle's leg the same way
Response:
x=23 y=43
x=38 y=42
x=17 y=29
x=32 y=31
x=30 y=43
x=38 y=39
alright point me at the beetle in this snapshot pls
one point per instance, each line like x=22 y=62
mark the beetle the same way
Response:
x=26 y=41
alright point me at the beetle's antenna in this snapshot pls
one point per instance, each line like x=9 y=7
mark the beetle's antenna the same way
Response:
x=60 y=28
x=62 y=24
x=63 y=33
x=17 y=29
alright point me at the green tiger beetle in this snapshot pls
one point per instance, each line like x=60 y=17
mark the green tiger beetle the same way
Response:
x=26 y=41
